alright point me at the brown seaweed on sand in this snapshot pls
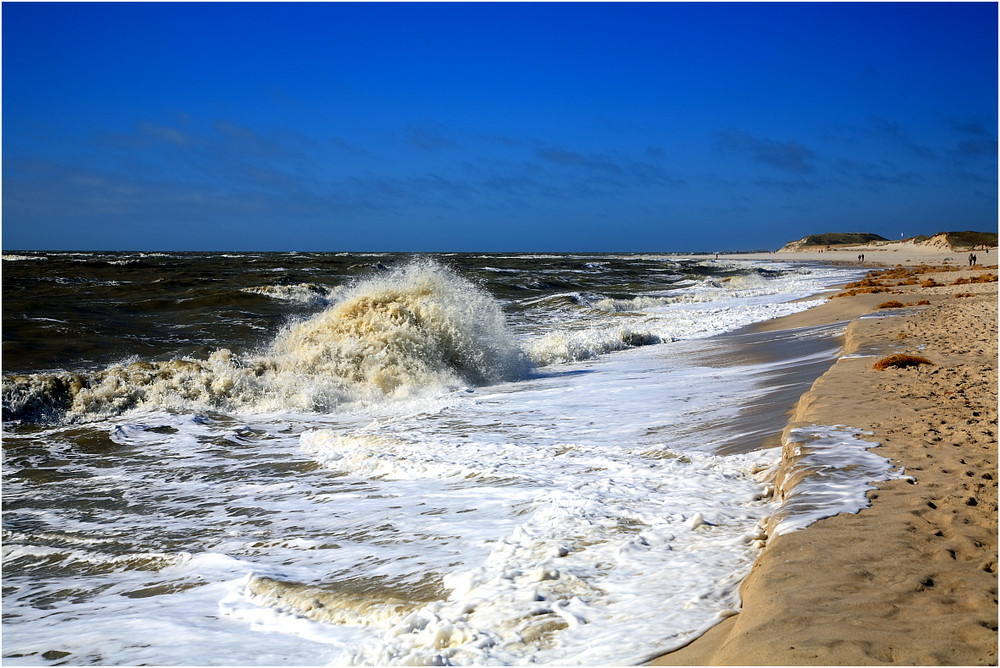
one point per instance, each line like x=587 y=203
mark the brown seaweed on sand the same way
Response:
x=900 y=361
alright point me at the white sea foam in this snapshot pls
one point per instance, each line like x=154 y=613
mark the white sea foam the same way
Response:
x=568 y=533
x=547 y=523
x=693 y=309
x=832 y=470
x=663 y=322
x=304 y=293
x=586 y=562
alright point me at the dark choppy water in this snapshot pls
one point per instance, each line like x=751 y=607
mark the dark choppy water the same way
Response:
x=72 y=310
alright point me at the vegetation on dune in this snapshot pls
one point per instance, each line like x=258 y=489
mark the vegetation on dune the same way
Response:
x=841 y=238
x=971 y=239
x=956 y=241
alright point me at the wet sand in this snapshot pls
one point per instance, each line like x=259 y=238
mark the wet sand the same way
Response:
x=911 y=579
x=792 y=360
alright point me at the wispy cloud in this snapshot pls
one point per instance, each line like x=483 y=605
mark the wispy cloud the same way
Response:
x=874 y=177
x=787 y=185
x=972 y=127
x=236 y=140
x=977 y=139
x=569 y=158
x=505 y=140
x=162 y=172
x=973 y=148
x=430 y=136
x=609 y=169
x=164 y=133
x=895 y=134
x=787 y=156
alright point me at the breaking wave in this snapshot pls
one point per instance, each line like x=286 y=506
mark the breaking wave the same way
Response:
x=394 y=335
x=305 y=293
x=572 y=346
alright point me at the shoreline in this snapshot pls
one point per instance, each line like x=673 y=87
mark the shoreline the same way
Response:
x=912 y=578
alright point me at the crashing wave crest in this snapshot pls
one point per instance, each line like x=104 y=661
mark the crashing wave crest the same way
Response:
x=305 y=293
x=394 y=335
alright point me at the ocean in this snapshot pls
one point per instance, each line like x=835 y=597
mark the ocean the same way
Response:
x=446 y=459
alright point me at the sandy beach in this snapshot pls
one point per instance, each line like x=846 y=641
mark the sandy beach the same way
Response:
x=911 y=579
x=898 y=253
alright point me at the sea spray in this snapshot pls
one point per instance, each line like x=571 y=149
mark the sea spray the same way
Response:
x=393 y=335
x=417 y=327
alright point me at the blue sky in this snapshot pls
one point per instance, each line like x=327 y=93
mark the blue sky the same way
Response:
x=494 y=127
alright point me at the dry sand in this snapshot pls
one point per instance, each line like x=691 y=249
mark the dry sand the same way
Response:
x=900 y=253
x=912 y=579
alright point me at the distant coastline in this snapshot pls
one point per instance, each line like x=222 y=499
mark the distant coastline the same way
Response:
x=953 y=241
